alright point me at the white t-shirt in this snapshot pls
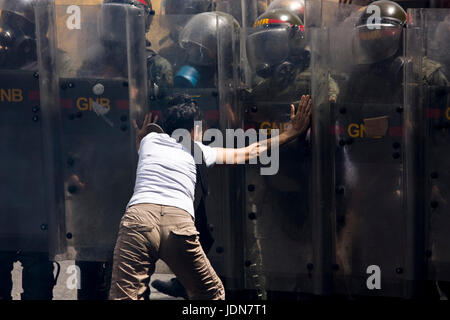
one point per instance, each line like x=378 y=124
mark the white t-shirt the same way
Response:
x=166 y=172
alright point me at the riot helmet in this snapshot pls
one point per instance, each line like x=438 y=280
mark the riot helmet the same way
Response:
x=17 y=33
x=109 y=11
x=295 y=6
x=277 y=46
x=187 y=7
x=378 y=32
x=199 y=37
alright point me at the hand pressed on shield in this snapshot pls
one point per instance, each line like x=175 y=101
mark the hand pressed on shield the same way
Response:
x=301 y=119
x=143 y=131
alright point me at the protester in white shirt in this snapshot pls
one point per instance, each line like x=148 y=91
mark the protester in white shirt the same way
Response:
x=159 y=220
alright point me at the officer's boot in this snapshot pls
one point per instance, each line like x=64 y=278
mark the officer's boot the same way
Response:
x=37 y=276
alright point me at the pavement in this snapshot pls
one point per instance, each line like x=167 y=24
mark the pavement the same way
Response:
x=63 y=291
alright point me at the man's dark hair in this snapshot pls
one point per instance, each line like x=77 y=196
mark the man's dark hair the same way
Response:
x=181 y=114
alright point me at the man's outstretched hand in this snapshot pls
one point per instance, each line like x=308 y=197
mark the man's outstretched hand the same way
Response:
x=301 y=119
x=142 y=132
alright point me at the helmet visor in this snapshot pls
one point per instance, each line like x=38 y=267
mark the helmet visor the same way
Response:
x=377 y=43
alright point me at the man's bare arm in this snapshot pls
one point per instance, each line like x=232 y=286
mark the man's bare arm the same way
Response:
x=299 y=123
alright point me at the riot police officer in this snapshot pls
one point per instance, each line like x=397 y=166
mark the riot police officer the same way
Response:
x=18 y=56
x=279 y=57
x=377 y=50
x=372 y=90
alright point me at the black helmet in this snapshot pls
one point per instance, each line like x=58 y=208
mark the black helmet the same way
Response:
x=277 y=45
x=17 y=33
x=199 y=36
x=379 y=37
x=295 y=6
x=186 y=7
x=146 y=5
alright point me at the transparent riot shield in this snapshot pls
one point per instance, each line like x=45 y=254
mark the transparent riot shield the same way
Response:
x=24 y=221
x=363 y=129
x=276 y=72
x=196 y=53
x=427 y=117
x=100 y=71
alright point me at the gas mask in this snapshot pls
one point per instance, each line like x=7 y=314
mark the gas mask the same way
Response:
x=17 y=41
x=278 y=53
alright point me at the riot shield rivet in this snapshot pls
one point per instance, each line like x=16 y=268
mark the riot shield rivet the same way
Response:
x=35 y=118
x=343 y=110
x=36 y=75
x=434 y=175
x=125 y=84
x=44 y=227
x=35 y=109
x=69 y=235
x=396 y=155
x=251 y=187
x=399 y=270
x=428 y=253
x=310 y=266
x=219 y=250
x=72 y=189
x=123 y=127
x=396 y=145
x=70 y=85
x=335 y=267
x=399 y=109
x=434 y=204
x=123 y=118
x=79 y=114
x=341 y=143
x=254 y=109
x=248 y=263
x=252 y=216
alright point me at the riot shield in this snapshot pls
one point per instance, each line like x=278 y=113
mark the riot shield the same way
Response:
x=426 y=133
x=24 y=223
x=199 y=51
x=364 y=130
x=101 y=88
x=276 y=72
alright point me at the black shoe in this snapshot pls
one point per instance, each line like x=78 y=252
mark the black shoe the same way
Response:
x=173 y=288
